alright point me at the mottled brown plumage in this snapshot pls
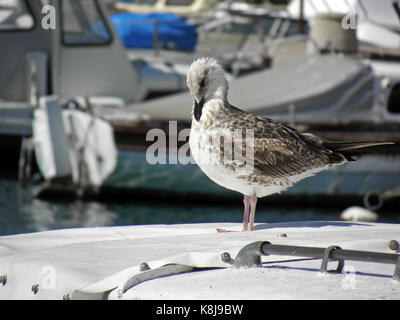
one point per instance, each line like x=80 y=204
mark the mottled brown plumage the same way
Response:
x=280 y=150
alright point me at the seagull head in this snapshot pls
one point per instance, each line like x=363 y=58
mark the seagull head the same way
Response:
x=206 y=80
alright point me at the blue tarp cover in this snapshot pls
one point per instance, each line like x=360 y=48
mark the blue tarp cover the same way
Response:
x=137 y=30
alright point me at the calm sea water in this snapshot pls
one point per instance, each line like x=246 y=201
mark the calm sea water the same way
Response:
x=22 y=213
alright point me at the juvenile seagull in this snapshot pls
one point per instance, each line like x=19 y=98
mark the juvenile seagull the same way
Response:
x=280 y=155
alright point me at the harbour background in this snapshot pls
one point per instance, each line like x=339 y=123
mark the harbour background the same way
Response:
x=20 y=212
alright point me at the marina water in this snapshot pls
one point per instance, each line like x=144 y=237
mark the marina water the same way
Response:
x=20 y=212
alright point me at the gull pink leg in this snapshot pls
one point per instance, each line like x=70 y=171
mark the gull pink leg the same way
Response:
x=253 y=203
x=246 y=201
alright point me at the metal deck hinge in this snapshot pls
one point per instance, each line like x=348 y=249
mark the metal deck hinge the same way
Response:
x=250 y=255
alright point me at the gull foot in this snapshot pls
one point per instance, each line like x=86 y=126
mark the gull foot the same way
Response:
x=224 y=230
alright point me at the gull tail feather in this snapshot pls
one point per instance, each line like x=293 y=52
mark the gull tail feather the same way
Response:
x=349 y=149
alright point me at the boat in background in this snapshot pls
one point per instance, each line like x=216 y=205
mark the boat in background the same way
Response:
x=182 y=8
x=73 y=148
x=190 y=8
x=376 y=22
x=154 y=31
x=72 y=64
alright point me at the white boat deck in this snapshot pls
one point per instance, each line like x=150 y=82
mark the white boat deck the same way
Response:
x=88 y=262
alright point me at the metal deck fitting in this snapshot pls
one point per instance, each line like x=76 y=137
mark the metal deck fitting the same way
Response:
x=250 y=255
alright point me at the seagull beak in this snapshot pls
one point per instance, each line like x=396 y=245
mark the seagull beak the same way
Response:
x=198 y=108
x=199 y=104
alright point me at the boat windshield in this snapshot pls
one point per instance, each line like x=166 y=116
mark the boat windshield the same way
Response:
x=15 y=15
x=179 y=2
x=83 y=23
x=145 y=2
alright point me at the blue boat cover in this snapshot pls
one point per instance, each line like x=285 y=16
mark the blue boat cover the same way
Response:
x=137 y=30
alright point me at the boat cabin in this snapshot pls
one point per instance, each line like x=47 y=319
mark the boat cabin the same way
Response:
x=69 y=49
